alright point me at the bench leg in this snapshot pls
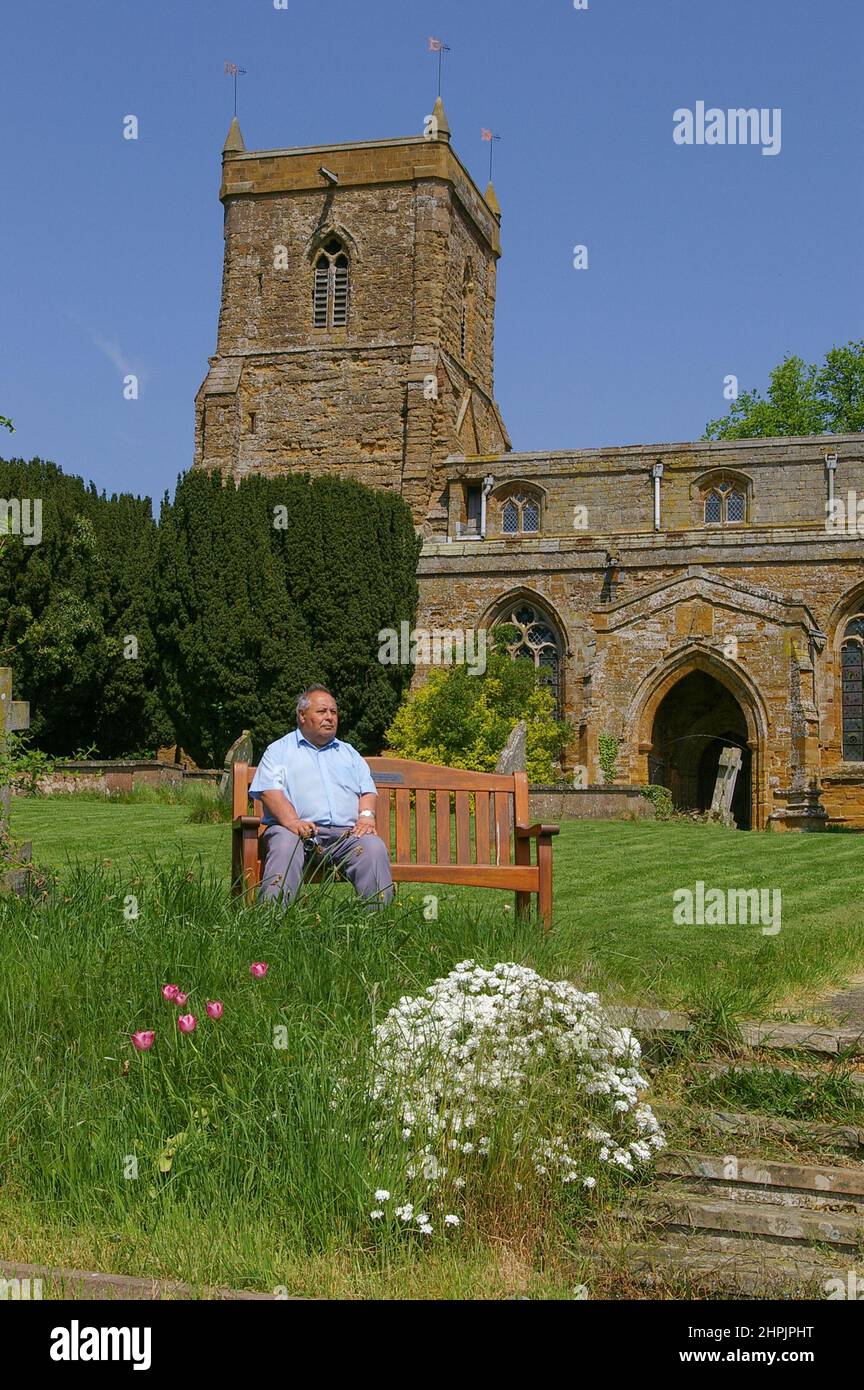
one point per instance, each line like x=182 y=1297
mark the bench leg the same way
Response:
x=523 y=904
x=544 y=896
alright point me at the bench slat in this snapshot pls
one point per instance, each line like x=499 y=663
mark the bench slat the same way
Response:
x=403 y=826
x=502 y=827
x=442 y=827
x=431 y=775
x=512 y=876
x=424 y=827
x=481 y=827
x=382 y=817
x=463 y=828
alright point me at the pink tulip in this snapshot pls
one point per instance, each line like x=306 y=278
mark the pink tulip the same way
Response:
x=259 y=969
x=143 y=1041
x=214 y=1008
x=187 y=1023
x=180 y=998
x=170 y=992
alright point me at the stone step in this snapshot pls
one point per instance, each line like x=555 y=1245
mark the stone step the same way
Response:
x=759 y=1127
x=693 y=1211
x=745 y=1264
x=805 y=1037
x=822 y=1184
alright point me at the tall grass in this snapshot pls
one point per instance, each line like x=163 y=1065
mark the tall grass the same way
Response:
x=222 y=1156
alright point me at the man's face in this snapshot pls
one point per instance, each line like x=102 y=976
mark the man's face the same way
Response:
x=320 y=721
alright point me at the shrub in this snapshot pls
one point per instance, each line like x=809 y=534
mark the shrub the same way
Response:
x=464 y=720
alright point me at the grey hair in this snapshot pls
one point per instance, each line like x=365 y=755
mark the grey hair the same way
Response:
x=304 y=702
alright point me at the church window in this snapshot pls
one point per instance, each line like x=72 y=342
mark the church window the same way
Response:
x=536 y=639
x=852 y=677
x=520 y=515
x=331 y=285
x=725 y=504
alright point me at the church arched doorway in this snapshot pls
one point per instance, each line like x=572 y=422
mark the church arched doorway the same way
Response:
x=693 y=723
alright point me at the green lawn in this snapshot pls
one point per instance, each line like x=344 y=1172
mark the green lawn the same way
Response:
x=614 y=928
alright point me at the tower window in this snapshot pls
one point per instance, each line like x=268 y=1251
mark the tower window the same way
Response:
x=331 y=286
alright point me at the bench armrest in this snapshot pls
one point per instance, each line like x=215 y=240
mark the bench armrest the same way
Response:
x=246 y=822
x=524 y=832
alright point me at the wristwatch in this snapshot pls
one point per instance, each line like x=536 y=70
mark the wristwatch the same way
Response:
x=370 y=814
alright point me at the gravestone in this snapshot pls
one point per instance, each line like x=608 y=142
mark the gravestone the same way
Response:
x=14 y=716
x=512 y=757
x=512 y=760
x=724 y=788
x=239 y=752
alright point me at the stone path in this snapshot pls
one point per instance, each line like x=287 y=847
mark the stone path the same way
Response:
x=723 y=1223
x=847 y=1006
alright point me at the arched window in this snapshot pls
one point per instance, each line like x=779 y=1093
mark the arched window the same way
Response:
x=537 y=640
x=520 y=514
x=724 y=503
x=852 y=677
x=330 y=286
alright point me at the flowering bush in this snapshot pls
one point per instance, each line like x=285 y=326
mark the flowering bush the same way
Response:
x=507 y=1064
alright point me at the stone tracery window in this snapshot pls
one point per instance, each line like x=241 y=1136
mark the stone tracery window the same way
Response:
x=852 y=690
x=537 y=640
x=724 y=503
x=520 y=514
x=331 y=286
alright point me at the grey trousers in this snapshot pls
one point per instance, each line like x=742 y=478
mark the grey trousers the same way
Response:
x=363 y=859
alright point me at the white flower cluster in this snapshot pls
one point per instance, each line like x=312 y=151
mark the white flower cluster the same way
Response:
x=448 y=1062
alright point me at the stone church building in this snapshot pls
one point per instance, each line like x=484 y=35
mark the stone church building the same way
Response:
x=680 y=598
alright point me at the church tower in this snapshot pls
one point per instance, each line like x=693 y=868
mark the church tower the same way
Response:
x=356 y=325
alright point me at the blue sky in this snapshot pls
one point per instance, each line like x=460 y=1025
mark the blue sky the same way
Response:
x=703 y=261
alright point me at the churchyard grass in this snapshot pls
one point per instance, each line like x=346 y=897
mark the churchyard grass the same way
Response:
x=217 y=1157
x=614 y=885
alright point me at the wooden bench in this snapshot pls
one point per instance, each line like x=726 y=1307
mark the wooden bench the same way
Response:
x=490 y=846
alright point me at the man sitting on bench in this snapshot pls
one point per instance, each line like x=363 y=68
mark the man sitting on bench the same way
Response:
x=315 y=788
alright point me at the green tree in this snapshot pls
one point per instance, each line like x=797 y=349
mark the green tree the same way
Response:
x=801 y=399
x=464 y=720
x=66 y=605
x=268 y=586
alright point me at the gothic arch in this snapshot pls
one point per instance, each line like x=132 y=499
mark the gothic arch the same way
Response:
x=333 y=230
x=542 y=635
x=657 y=685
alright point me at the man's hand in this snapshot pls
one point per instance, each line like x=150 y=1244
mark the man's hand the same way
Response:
x=304 y=828
x=365 y=826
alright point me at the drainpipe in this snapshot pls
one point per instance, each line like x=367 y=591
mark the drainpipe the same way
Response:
x=831 y=469
x=657 y=474
x=488 y=484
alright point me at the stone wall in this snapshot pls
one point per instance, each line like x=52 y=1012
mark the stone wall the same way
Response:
x=554 y=804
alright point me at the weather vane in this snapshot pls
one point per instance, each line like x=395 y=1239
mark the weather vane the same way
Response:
x=440 y=47
x=491 y=137
x=233 y=71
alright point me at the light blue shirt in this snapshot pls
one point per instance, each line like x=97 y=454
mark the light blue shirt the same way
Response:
x=323 y=784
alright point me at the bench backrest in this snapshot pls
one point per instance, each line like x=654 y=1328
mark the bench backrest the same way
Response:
x=428 y=814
